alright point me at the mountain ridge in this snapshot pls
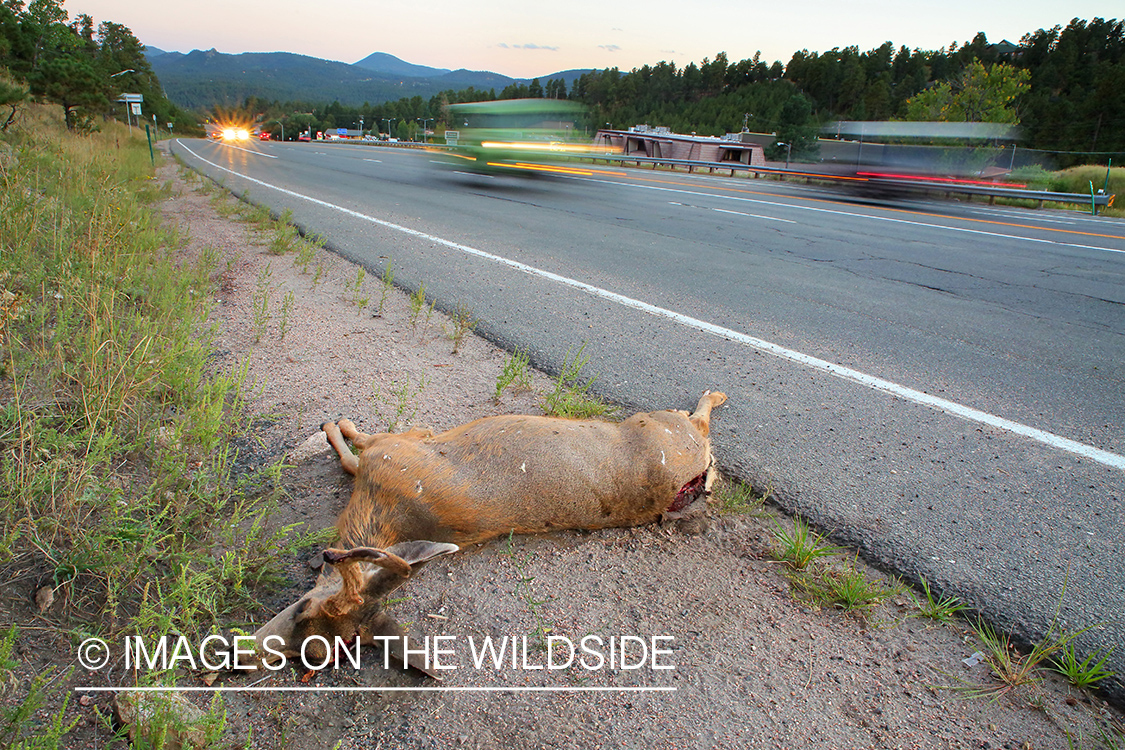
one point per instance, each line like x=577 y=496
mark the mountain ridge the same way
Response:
x=205 y=78
x=382 y=62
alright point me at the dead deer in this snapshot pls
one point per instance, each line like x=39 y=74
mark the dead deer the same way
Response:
x=498 y=475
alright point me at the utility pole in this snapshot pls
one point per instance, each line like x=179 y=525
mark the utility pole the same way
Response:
x=788 y=148
x=128 y=118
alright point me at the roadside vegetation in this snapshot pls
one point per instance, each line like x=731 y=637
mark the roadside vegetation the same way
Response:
x=571 y=397
x=124 y=508
x=45 y=56
x=826 y=576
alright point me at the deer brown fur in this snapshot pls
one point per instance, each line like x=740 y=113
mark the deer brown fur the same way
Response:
x=522 y=474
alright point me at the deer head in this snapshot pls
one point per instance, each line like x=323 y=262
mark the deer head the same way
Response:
x=348 y=603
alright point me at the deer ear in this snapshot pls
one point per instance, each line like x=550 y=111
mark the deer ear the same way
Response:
x=408 y=557
x=382 y=558
x=396 y=563
x=421 y=551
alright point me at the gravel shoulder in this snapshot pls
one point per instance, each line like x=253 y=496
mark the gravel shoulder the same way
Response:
x=752 y=665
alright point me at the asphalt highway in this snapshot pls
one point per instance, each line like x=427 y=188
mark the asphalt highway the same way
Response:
x=941 y=384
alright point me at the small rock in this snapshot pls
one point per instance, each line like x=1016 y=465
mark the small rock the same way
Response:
x=44 y=598
x=314 y=446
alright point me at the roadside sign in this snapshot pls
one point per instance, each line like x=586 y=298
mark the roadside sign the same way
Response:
x=341 y=131
x=131 y=98
x=136 y=108
x=451 y=137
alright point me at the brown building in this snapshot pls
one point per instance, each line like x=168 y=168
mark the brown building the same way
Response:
x=661 y=143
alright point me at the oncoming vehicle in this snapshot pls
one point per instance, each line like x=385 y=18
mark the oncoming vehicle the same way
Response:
x=515 y=135
x=234 y=133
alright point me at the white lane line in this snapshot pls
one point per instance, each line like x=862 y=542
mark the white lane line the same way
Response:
x=846 y=373
x=1018 y=216
x=852 y=214
x=377 y=161
x=727 y=211
x=753 y=216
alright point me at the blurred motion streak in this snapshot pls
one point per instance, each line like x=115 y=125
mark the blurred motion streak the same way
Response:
x=885 y=158
x=518 y=136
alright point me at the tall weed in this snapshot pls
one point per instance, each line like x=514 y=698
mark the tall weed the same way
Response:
x=119 y=481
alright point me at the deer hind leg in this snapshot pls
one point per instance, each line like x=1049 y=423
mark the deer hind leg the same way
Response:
x=702 y=416
x=348 y=460
x=359 y=439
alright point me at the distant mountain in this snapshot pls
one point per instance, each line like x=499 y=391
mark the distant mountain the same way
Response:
x=570 y=76
x=478 y=79
x=202 y=79
x=381 y=62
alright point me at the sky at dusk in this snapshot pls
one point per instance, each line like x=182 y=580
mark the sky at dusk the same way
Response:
x=527 y=39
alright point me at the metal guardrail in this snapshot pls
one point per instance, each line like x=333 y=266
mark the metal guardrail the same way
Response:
x=1092 y=199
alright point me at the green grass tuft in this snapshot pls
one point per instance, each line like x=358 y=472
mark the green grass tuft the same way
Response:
x=571 y=398
x=515 y=374
x=844 y=587
x=1082 y=673
x=944 y=609
x=801 y=546
x=732 y=496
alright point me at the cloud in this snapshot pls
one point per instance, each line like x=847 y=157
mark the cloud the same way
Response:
x=610 y=47
x=502 y=45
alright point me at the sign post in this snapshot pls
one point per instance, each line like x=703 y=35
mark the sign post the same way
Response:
x=132 y=104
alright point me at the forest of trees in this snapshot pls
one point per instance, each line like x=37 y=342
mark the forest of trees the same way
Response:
x=1074 y=98
x=45 y=57
x=1065 y=86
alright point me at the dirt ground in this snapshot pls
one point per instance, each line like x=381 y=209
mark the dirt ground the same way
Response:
x=748 y=664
